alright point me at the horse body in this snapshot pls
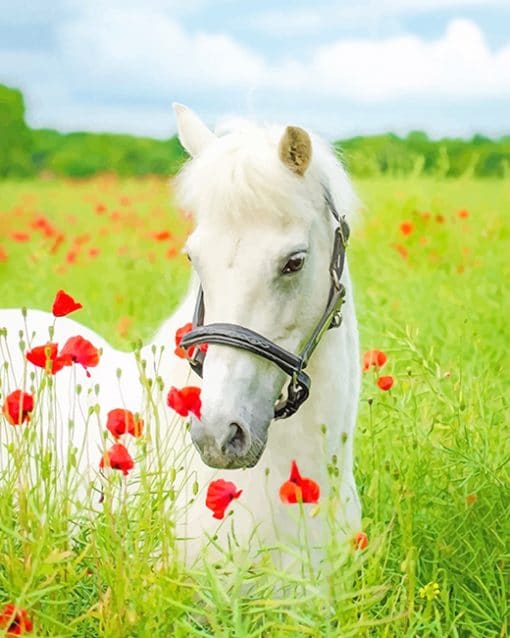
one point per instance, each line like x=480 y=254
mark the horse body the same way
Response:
x=246 y=220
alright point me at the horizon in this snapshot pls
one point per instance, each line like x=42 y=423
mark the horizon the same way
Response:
x=403 y=136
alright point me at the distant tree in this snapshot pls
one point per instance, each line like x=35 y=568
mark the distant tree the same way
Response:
x=15 y=137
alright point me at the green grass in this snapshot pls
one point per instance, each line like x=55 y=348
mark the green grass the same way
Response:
x=432 y=453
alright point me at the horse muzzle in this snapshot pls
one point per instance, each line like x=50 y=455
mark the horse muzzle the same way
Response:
x=227 y=444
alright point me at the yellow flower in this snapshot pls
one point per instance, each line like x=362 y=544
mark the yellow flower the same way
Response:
x=430 y=591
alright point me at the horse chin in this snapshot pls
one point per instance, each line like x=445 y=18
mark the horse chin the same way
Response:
x=221 y=462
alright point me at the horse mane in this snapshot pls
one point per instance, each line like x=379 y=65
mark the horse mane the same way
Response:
x=240 y=174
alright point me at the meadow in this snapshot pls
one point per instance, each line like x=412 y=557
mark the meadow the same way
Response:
x=429 y=258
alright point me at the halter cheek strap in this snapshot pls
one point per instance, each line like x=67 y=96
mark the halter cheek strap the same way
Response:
x=236 y=336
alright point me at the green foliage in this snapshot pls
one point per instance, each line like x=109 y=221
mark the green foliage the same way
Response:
x=25 y=151
x=417 y=154
x=15 y=137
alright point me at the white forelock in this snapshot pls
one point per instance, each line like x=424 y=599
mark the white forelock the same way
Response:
x=240 y=174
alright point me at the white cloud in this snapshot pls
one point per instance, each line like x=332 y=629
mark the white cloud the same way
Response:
x=459 y=64
x=145 y=49
x=142 y=50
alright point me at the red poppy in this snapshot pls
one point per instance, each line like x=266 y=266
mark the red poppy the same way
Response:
x=100 y=209
x=124 y=326
x=3 y=255
x=118 y=458
x=46 y=357
x=299 y=489
x=20 y=237
x=81 y=351
x=385 y=383
x=471 y=499
x=185 y=400
x=55 y=246
x=162 y=235
x=17 y=407
x=463 y=214
x=72 y=255
x=64 y=304
x=402 y=250
x=181 y=352
x=220 y=494
x=120 y=421
x=374 y=358
x=79 y=240
x=360 y=541
x=14 y=621
x=406 y=228
x=44 y=225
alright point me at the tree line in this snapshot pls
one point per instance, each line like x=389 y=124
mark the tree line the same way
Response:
x=26 y=152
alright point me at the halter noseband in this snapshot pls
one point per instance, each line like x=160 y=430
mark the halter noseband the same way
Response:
x=230 y=334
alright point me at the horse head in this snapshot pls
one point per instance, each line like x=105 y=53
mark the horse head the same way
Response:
x=261 y=250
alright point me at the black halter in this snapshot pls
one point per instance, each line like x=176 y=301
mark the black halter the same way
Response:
x=230 y=334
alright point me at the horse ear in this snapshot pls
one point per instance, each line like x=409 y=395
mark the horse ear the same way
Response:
x=193 y=133
x=295 y=149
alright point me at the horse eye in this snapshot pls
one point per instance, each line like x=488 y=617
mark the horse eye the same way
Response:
x=294 y=264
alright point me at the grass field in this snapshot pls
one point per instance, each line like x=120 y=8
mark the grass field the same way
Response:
x=432 y=453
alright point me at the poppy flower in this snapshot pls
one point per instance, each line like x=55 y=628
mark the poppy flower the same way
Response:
x=71 y=256
x=463 y=214
x=220 y=494
x=81 y=351
x=299 y=489
x=47 y=357
x=118 y=458
x=59 y=239
x=360 y=541
x=64 y=304
x=374 y=358
x=162 y=235
x=120 y=421
x=402 y=251
x=385 y=383
x=20 y=237
x=185 y=400
x=181 y=352
x=44 y=225
x=100 y=209
x=17 y=407
x=406 y=228
x=3 y=255
x=14 y=621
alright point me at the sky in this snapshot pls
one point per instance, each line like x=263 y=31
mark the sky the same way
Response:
x=339 y=68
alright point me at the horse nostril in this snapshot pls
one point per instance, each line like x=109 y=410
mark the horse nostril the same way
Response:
x=236 y=441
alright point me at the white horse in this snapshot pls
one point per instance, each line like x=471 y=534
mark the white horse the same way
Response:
x=261 y=252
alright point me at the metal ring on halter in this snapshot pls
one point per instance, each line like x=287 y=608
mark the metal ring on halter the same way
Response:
x=236 y=336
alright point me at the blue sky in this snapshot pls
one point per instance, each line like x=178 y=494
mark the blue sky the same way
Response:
x=338 y=68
